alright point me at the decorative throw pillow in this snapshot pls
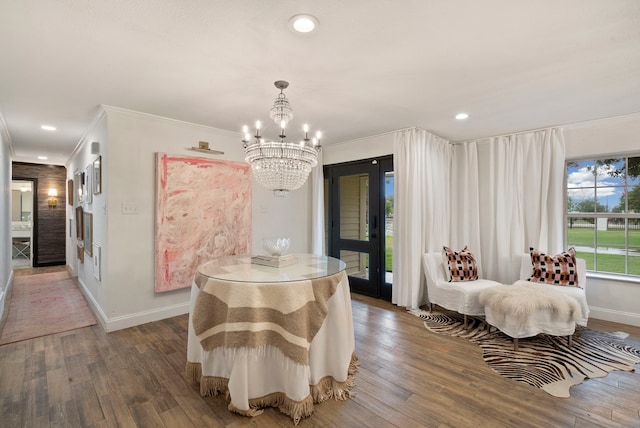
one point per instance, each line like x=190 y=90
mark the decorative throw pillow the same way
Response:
x=557 y=270
x=461 y=265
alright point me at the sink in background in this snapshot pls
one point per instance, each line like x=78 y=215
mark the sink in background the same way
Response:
x=21 y=225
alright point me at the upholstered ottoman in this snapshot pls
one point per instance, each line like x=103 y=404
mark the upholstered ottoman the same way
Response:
x=526 y=310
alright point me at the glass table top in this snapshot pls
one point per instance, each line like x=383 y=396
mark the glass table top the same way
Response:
x=240 y=269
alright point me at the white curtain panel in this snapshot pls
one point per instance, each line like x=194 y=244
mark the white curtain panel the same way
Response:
x=521 y=199
x=465 y=204
x=317 y=209
x=422 y=165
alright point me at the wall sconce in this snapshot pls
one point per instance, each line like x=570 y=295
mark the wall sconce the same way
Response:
x=53 y=194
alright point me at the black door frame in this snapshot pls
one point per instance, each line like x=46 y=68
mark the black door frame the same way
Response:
x=375 y=168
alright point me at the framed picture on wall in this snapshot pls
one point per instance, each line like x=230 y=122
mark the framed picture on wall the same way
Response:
x=79 y=182
x=79 y=226
x=80 y=253
x=87 y=191
x=96 y=261
x=97 y=175
x=88 y=233
x=70 y=191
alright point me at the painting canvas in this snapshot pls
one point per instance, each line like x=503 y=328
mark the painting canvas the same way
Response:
x=87 y=224
x=79 y=182
x=79 y=225
x=203 y=211
x=97 y=175
x=96 y=261
x=87 y=189
x=70 y=191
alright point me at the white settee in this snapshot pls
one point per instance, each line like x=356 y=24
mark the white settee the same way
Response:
x=461 y=297
x=579 y=293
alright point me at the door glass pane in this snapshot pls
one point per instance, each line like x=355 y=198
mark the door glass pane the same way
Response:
x=354 y=207
x=357 y=263
x=388 y=226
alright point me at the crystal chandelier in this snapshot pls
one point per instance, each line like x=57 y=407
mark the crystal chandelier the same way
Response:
x=281 y=165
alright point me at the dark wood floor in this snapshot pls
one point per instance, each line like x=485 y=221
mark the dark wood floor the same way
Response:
x=408 y=377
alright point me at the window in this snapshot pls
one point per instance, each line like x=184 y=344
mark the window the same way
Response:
x=603 y=213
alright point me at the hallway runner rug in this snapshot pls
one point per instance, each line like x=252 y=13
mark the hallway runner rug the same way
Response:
x=543 y=361
x=44 y=304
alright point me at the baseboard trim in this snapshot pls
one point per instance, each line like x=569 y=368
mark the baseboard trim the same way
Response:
x=4 y=300
x=93 y=304
x=629 y=318
x=131 y=320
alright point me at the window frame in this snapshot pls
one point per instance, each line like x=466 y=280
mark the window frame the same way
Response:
x=625 y=216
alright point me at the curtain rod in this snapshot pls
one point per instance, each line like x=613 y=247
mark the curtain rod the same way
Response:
x=562 y=126
x=529 y=131
x=381 y=134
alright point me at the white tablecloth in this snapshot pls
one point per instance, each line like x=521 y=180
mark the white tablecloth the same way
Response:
x=258 y=375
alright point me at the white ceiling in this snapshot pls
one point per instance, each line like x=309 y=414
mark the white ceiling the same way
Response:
x=372 y=66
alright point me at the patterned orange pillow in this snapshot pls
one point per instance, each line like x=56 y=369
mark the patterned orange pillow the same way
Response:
x=461 y=265
x=557 y=270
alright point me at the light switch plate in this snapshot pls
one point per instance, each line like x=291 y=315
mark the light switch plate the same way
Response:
x=129 y=208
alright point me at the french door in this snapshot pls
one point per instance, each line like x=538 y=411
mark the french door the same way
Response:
x=359 y=222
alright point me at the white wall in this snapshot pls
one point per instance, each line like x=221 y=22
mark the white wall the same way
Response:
x=94 y=290
x=128 y=143
x=288 y=216
x=6 y=273
x=362 y=148
x=616 y=135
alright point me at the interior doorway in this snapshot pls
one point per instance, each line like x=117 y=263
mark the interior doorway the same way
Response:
x=360 y=222
x=22 y=222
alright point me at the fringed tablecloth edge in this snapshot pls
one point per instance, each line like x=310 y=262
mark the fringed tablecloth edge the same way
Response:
x=209 y=385
x=328 y=387
x=297 y=410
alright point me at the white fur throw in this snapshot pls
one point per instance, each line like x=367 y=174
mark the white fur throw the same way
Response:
x=520 y=301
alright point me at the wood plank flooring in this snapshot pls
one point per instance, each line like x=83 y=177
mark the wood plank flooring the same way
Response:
x=408 y=377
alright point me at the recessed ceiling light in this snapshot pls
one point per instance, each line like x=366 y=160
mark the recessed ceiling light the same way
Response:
x=462 y=116
x=303 y=23
x=43 y=157
x=48 y=127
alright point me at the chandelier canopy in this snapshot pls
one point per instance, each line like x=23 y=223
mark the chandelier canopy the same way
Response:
x=281 y=165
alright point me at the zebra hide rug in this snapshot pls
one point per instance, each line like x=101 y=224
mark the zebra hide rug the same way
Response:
x=543 y=361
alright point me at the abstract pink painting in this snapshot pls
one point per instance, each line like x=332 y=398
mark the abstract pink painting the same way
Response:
x=203 y=211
